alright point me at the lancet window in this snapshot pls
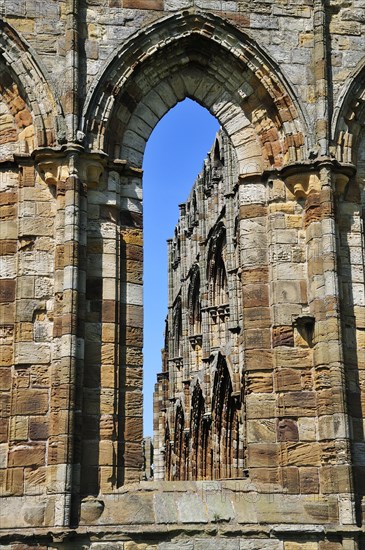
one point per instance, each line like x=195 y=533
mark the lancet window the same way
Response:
x=225 y=424
x=194 y=303
x=177 y=330
x=198 y=451
x=217 y=274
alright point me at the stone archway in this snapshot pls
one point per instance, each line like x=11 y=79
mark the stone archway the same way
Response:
x=206 y=59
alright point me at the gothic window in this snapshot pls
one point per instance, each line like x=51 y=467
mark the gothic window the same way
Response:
x=192 y=213
x=217 y=274
x=198 y=451
x=225 y=424
x=179 y=445
x=194 y=303
x=177 y=329
x=176 y=249
x=220 y=280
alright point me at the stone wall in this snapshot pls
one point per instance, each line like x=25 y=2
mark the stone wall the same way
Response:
x=82 y=86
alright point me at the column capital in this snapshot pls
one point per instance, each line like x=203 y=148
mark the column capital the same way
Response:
x=57 y=165
x=305 y=177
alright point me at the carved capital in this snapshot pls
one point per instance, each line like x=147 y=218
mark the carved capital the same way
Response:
x=303 y=183
x=57 y=165
x=53 y=167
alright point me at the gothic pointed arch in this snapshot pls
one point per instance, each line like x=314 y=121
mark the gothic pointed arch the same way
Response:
x=203 y=57
x=22 y=73
x=349 y=117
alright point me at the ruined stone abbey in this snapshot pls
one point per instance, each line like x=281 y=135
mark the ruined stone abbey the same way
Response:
x=259 y=406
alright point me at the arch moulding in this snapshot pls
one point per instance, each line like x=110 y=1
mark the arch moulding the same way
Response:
x=22 y=64
x=204 y=58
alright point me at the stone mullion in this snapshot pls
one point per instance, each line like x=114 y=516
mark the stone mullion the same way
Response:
x=290 y=358
x=159 y=419
x=107 y=317
x=112 y=378
x=322 y=63
x=59 y=416
x=81 y=252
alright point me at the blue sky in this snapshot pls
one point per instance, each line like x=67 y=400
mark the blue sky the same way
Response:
x=173 y=158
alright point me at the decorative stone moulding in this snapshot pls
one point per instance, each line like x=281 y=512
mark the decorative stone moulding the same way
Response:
x=178 y=362
x=302 y=179
x=249 y=169
x=55 y=166
x=196 y=340
x=302 y=184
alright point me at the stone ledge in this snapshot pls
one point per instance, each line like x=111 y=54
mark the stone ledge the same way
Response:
x=162 y=533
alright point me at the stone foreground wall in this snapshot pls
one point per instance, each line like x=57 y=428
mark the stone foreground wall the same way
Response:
x=82 y=86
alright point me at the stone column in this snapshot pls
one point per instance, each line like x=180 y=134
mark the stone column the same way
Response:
x=61 y=173
x=316 y=190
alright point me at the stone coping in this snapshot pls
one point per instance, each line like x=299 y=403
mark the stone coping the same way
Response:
x=165 y=505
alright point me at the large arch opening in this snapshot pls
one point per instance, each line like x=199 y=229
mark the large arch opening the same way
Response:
x=173 y=158
x=203 y=58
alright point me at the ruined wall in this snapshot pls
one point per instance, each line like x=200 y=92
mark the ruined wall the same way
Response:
x=83 y=84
